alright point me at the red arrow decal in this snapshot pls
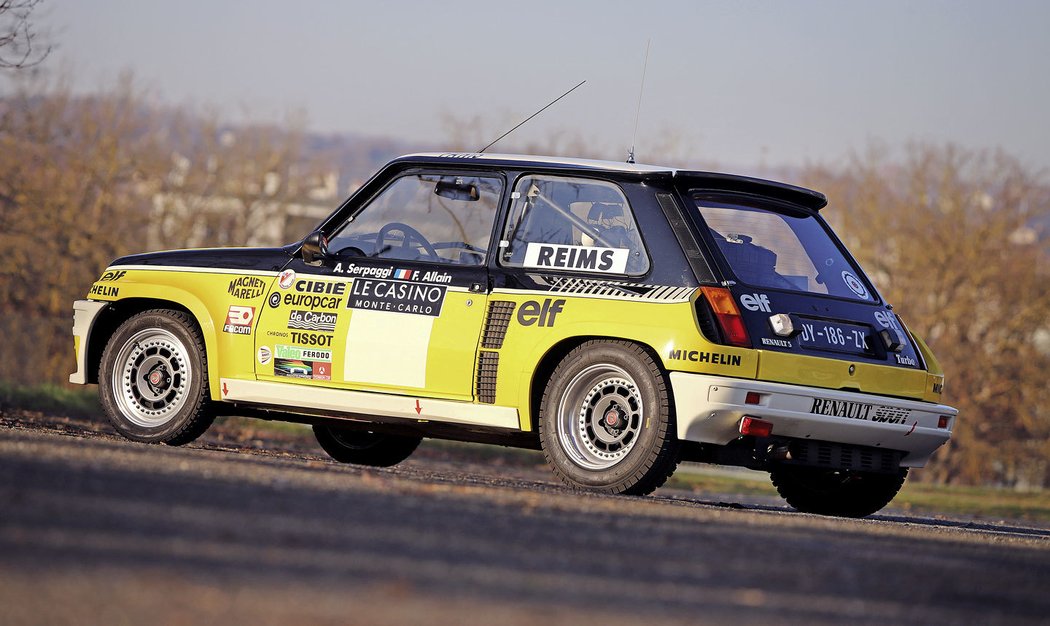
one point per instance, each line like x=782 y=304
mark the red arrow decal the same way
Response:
x=225 y=389
x=419 y=409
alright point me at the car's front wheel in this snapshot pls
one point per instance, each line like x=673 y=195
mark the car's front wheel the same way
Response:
x=153 y=379
x=841 y=493
x=606 y=422
x=363 y=447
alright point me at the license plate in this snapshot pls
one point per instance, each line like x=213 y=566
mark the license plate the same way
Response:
x=835 y=337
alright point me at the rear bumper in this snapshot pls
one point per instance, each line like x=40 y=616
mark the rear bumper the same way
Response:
x=709 y=410
x=85 y=312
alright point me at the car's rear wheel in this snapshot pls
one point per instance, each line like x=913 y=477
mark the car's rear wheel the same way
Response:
x=606 y=422
x=841 y=493
x=363 y=447
x=153 y=379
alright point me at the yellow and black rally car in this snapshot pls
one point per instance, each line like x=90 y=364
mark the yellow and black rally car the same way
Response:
x=620 y=317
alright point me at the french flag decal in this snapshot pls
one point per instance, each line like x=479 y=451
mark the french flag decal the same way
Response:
x=403 y=274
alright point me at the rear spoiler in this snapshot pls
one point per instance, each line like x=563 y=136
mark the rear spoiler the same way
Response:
x=744 y=184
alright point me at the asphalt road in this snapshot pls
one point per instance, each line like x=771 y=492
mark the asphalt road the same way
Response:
x=98 y=530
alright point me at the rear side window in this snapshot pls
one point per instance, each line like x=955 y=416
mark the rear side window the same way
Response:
x=558 y=223
x=781 y=250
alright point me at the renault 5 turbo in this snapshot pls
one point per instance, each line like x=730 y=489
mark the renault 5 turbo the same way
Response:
x=620 y=317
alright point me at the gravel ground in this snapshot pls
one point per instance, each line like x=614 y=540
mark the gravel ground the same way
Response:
x=246 y=526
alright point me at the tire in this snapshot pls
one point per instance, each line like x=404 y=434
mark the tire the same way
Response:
x=840 y=493
x=362 y=447
x=153 y=379
x=606 y=423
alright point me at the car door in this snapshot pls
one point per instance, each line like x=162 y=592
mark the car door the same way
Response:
x=399 y=304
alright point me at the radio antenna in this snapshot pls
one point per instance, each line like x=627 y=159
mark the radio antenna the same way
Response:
x=530 y=117
x=638 y=110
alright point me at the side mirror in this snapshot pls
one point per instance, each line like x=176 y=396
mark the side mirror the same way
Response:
x=315 y=248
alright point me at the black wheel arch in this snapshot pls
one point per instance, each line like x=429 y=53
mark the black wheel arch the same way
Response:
x=112 y=317
x=545 y=368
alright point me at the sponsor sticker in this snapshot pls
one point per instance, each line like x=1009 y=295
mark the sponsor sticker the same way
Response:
x=264 y=354
x=285 y=279
x=756 y=302
x=698 y=356
x=112 y=275
x=293 y=368
x=887 y=319
x=321 y=370
x=308 y=301
x=532 y=312
x=239 y=319
x=300 y=353
x=312 y=320
x=105 y=291
x=246 y=287
x=396 y=296
x=305 y=363
x=854 y=284
x=310 y=294
x=311 y=339
x=586 y=258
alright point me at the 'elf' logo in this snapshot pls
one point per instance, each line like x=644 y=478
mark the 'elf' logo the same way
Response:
x=532 y=312
x=755 y=302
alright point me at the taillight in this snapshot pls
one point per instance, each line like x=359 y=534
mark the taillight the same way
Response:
x=728 y=316
x=755 y=427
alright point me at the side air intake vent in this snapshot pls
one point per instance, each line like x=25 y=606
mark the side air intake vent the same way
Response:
x=488 y=365
x=496 y=324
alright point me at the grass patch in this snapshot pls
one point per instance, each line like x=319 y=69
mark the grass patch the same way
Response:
x=984 y=502
x=294 y=429
x=710 y=479
x=483 y=452
x=51 y=399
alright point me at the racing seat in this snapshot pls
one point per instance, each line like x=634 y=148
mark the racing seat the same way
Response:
x=542 y=225
x=607 y=218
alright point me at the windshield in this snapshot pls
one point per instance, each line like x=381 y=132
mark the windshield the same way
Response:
x=781 y=250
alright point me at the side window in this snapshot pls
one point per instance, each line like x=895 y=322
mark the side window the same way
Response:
x=425 y=217
x=572 y=224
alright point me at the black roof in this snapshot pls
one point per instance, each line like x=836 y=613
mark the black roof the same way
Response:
x=707 y=180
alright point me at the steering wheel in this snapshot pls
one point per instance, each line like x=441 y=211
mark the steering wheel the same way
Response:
x=411 y=234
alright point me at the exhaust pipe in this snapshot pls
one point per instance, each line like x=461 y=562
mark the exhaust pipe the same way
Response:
x=779 y=452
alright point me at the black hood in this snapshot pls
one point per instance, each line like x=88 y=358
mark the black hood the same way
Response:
x=255 y=259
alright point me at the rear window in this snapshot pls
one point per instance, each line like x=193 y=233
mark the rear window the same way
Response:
x=791 y=251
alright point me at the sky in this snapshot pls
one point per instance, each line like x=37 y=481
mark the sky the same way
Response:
x=743 y=83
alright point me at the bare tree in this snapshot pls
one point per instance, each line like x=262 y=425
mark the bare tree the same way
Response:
x=18 y=38
x=71 y=170
x=229 y=185
x=85 y=179
x=959 y=239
